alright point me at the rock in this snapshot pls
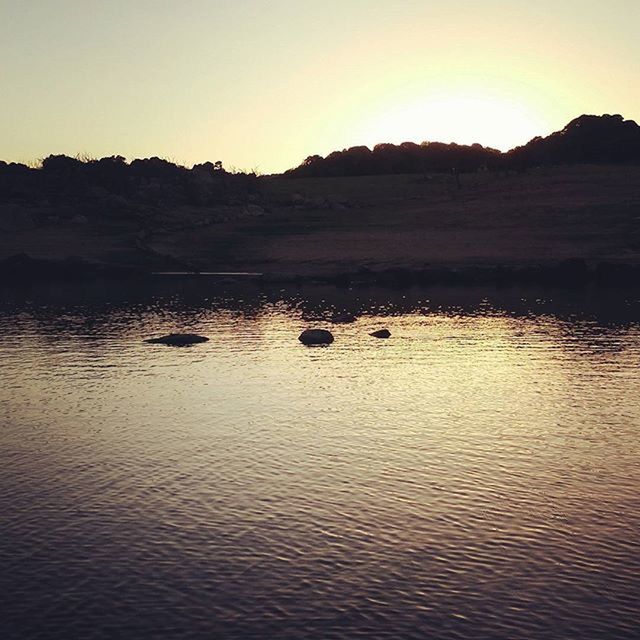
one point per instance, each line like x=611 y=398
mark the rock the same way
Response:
x=381 y=333
x=338 y=203
x=318 y=203
x=316 y=336
x=178 y=339
x=254 y=211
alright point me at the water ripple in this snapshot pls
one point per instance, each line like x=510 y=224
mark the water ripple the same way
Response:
x=474 y=476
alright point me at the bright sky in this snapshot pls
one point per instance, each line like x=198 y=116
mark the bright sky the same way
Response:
x=261 y=84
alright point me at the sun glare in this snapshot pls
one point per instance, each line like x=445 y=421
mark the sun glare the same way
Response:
x=465 y=118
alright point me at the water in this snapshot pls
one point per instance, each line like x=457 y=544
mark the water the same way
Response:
x=474 y=476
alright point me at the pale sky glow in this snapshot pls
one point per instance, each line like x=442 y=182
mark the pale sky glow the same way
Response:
x=462 y=116
x=263 y=84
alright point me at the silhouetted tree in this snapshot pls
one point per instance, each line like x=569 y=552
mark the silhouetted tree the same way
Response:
x=587 y=139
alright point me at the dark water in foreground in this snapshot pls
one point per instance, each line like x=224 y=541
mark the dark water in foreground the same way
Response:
x=475 y=476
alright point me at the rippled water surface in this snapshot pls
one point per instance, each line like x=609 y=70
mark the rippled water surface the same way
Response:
x=474 y=476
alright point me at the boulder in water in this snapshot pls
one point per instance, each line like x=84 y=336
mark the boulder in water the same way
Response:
x=381 y=333
x=178 y=339
x=316 y=336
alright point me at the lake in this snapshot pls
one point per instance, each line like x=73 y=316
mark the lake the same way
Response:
x=476 y=475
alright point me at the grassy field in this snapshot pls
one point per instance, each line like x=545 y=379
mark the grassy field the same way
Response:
x=326 y=225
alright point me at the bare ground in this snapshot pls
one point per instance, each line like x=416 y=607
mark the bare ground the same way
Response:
x=327 y=225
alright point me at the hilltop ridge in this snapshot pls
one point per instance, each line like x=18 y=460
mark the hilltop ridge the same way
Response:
x=586 y=139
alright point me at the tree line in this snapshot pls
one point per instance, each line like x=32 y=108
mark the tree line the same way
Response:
x=586 y=139
x=113 y=183
x=61 y=179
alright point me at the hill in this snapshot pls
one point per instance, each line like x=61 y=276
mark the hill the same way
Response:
x=154 y=215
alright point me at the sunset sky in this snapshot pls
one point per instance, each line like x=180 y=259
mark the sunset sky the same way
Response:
x=262 y=84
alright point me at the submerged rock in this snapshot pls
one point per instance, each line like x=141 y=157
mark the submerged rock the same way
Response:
x=381 y=333
x=316 y=336
x=178 y=339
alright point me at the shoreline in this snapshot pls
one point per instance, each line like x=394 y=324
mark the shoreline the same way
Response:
x=22 y=269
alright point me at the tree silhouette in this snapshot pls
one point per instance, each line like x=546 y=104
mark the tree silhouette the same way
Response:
x=594 y=139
